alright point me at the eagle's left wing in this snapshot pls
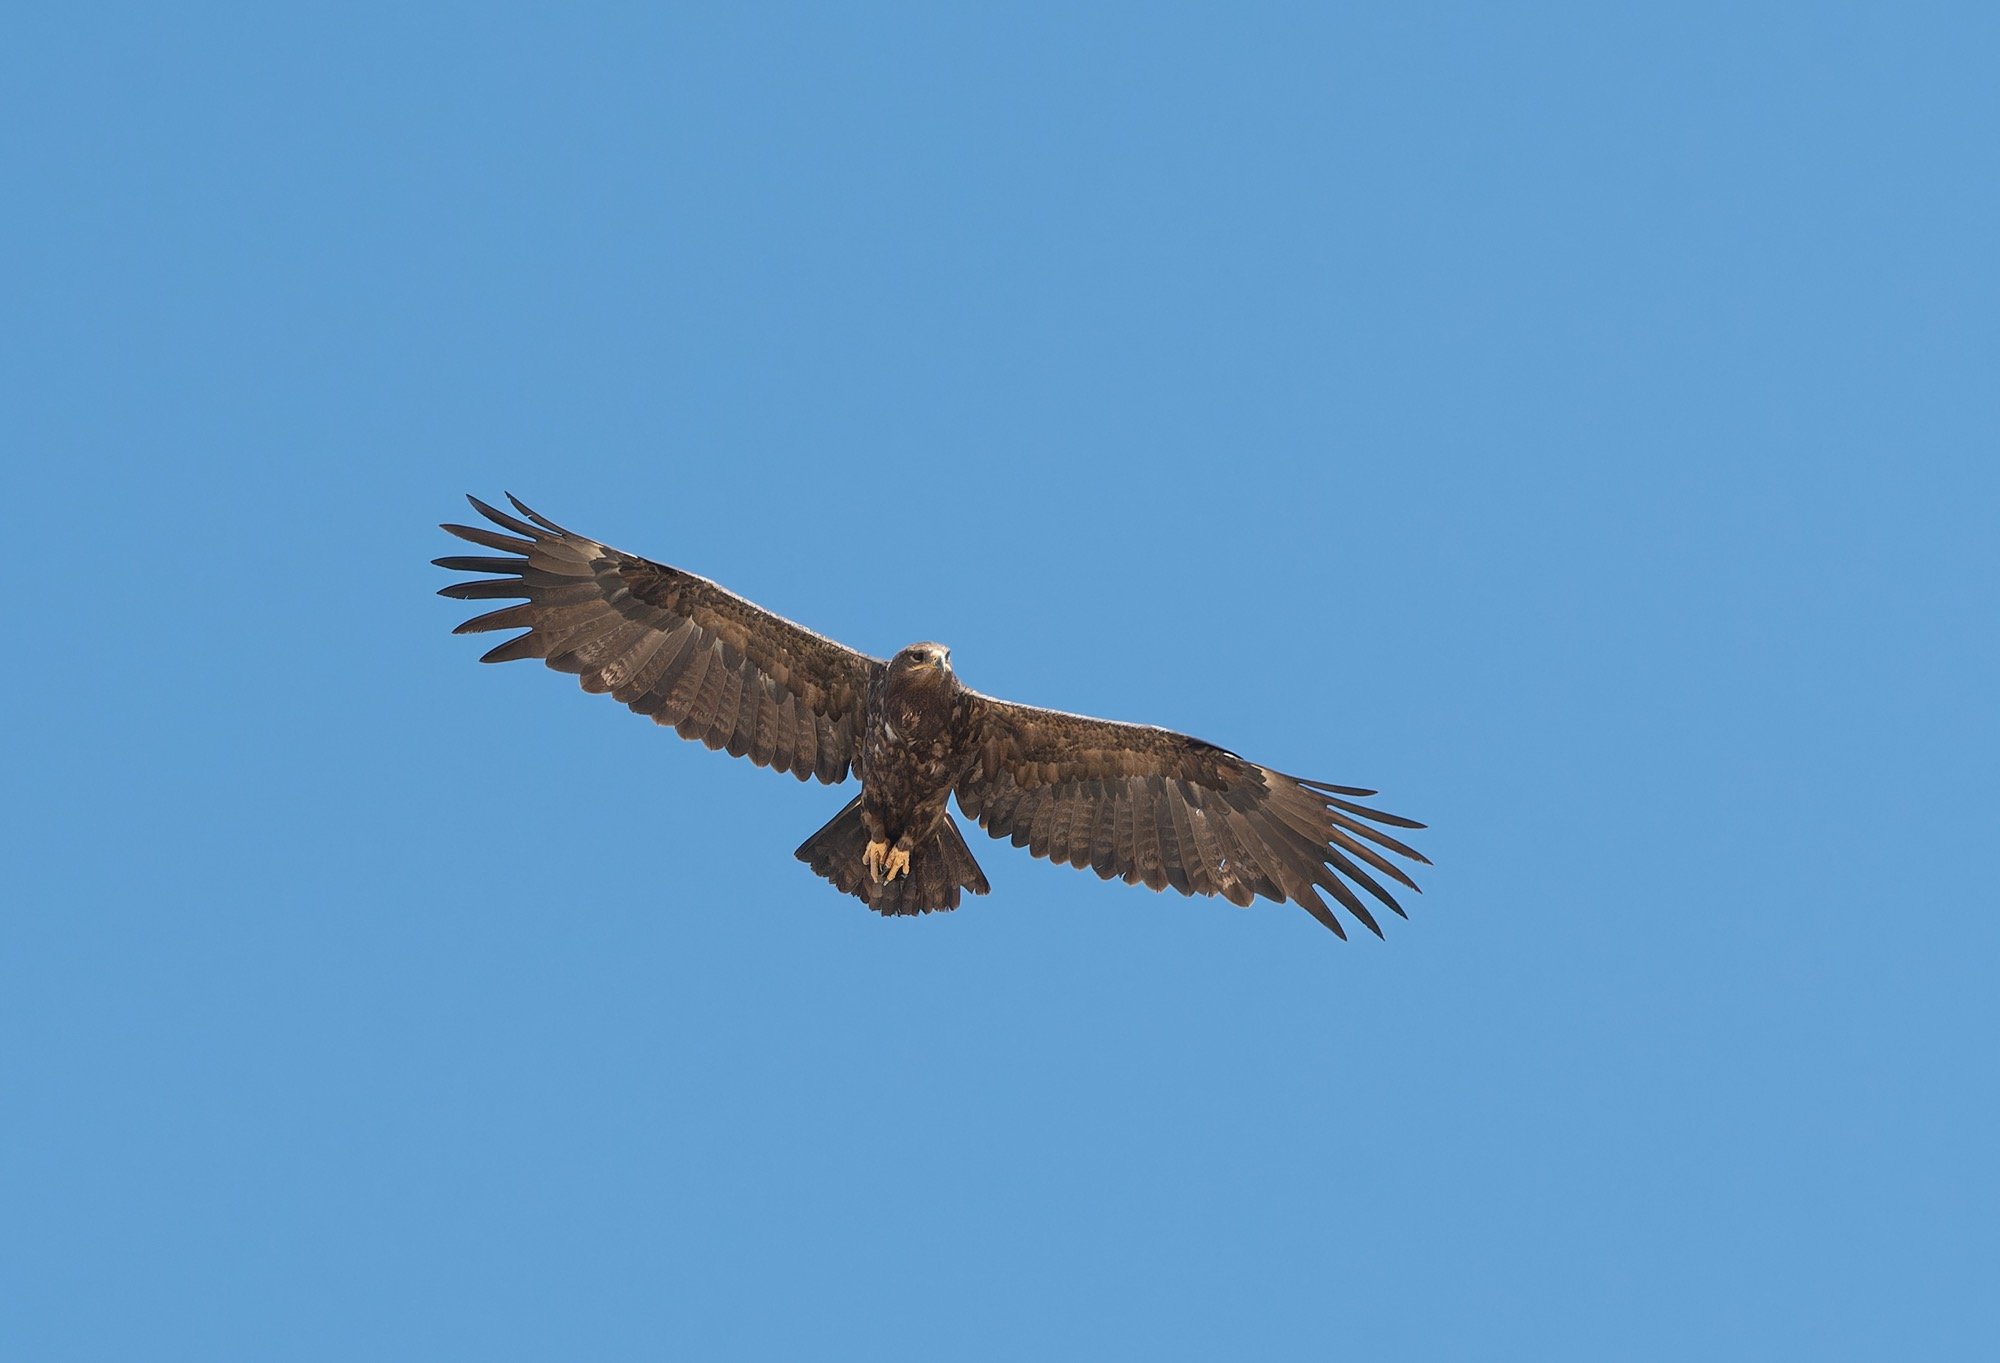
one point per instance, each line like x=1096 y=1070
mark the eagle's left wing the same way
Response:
x=668 y=644
x=1151 y=805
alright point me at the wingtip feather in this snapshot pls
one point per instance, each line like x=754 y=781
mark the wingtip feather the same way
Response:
x=535 y=516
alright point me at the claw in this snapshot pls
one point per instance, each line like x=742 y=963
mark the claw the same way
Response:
x=896 y=864
x=872 y=858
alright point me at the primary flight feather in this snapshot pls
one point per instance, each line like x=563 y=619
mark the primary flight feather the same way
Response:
x=1143 y=804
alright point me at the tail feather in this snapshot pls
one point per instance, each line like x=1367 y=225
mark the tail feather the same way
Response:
x=939 y=869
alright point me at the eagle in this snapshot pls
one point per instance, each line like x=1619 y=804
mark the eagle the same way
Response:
x=1144 y=804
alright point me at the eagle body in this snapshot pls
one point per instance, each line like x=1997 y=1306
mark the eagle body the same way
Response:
x=1127 y=801
x=916 y=747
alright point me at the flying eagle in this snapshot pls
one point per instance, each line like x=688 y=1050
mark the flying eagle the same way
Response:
x=1127 y=800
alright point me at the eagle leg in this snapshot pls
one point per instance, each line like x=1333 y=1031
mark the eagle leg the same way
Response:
x=874 y=855
x=897 y=863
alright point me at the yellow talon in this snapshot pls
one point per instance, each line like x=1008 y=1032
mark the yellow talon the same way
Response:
x=896 y=864
x=873 y=857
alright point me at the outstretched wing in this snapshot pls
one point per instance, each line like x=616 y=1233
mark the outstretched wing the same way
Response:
x=668 y=644
x=1152 y=805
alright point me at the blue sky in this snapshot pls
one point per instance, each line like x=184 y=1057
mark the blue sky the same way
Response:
x=1577 y=421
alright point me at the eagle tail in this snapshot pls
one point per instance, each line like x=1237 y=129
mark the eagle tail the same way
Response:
x=939 y=869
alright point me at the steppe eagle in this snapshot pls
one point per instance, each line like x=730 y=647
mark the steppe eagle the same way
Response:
x=1144 y=804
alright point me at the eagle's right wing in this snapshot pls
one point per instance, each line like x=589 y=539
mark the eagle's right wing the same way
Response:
x=1147 y=804
x=668 y=644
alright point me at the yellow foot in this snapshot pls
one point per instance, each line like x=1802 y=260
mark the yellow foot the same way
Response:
x=873 y=858
x=896 y=864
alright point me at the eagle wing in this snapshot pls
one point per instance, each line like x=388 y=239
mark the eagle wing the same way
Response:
x=1151 y=805
x=668 y=644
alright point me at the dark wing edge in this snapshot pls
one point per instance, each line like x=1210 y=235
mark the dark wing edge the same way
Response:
x=1151 y=806
x=667 y=643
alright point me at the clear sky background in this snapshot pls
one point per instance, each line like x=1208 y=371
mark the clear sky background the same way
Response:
x=1578 y=421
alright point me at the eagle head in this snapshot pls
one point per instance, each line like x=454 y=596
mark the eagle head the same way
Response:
x=922 y=658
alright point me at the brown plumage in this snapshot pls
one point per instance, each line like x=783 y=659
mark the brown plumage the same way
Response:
x=1146 y=805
